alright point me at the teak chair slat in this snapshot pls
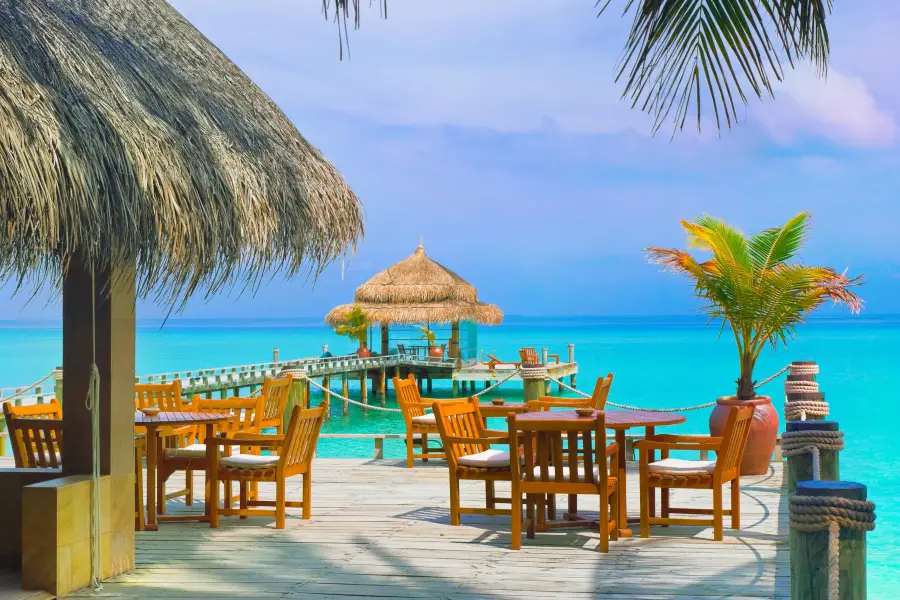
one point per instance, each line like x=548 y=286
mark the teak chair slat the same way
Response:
x=552 y=467
x=729 y=450
x=464 y=436
x=418 y=422
x=597 y=400
x=296 y=449
x=276 y=393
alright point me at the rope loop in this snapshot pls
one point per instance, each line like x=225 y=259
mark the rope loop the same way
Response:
x=804 y=369
x=534 y=372
x=810 y=514
x=800 y=409
x=798 y=387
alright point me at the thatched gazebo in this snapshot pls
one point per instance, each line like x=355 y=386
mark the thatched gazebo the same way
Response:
x=136 y=160
x=418 y=290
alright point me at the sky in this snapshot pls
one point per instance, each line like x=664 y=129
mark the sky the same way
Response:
x=494 y=131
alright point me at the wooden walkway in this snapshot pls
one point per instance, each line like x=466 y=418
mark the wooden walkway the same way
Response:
x=380 y=530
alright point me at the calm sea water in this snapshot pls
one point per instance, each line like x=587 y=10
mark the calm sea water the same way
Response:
x=657 y=363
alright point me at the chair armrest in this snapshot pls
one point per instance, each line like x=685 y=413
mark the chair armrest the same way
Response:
x=272 y=441
x=556 y=356
x=613 y=448
x=476 y=440
x=657 y=445
x=248 y=435
x=495 y=433
x=695 y=439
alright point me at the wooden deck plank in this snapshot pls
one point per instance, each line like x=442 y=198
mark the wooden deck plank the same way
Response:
x=380 y=530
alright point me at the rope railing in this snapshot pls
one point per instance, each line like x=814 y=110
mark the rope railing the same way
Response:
x=21 y=392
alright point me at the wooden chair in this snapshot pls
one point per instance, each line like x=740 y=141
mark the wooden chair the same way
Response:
x=49 y=410
x=275 y=392
x=469 y=456
x=554 y=467
x=167 y=396
x=418 y=422
x=597 y=400
x=668 y=473
x=493 y=362
x=247 y=416
x=140 y=451
x=37 y=443
x=531 y=357
x=601 y=392
x=296 y=449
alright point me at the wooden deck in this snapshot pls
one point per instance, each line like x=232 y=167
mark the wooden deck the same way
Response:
x=381 y=530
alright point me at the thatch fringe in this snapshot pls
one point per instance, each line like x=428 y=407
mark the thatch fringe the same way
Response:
x=129 y=138
x=418 y=290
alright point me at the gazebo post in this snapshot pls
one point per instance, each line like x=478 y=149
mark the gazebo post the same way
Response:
x=453 y=352
x=385 y=334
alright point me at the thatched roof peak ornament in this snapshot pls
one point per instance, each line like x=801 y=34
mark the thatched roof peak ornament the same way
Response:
x=418 y=289
x=128 y=138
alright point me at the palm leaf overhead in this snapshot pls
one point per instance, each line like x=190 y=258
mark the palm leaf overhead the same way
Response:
x=754 y=287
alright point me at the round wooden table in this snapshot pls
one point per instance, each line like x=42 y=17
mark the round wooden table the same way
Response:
x=491 y=410
x=619 y=421
x=165 y=420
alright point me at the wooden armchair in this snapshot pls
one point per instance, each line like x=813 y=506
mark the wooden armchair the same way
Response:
x=37 y=443
x=49 y=410
x=493 y=362
x=275 y=392
x=167 y=396
x=668 y=473
x=601 y=392
x=247 y=416
x=469 y=456
x=296 y=449
x=531 y=357
x=418 y=422
x=553 y=466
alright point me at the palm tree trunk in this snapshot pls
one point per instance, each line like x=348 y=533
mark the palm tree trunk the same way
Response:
x=746 y=387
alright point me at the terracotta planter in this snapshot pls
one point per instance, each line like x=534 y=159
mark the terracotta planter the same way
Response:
x=763 y=431
x=363 y=353
x=436 y=352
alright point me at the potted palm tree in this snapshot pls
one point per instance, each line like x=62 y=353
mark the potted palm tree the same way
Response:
x=760 y=294
x=430 y=338
x=356 y=329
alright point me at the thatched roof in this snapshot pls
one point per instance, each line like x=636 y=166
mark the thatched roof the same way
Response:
x=418 y=290
x=129 y=137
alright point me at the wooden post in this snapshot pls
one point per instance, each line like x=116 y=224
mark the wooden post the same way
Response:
x=453 y=350
x=58 y=383
x=465 y=387
x=345 y=391
x=275 y=355
x=379 y=448
x=429 y=384
x=364 y=388
x=455 y=388
x=572 y=362
x=297 y=396
x=326 y=383
x=809 y=550
x=800 y=466
x=385 y=339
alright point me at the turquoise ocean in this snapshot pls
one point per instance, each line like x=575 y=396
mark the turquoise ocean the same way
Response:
x=657 y=362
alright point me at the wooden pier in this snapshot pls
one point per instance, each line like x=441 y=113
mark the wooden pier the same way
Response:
x=380 y=530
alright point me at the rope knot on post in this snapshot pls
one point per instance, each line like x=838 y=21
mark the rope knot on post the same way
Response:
x=795 y=443
x=534 y=372
x=798 y=407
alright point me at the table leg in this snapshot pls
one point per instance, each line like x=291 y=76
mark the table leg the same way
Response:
x=648 y=433
x=211 y=481
x=151 y=477
x=623 y=505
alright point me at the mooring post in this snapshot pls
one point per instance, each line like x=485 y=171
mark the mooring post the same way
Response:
x=298 y=395
x=429 y=383
x=801 y=441
x=275 y=355
x=58 y=383
x=364 y=388
x=455 y=388
x=345 y=391
x=803 y=400
x=326 y=383
x=465 y=387
x=818 y=510
x=533 y=381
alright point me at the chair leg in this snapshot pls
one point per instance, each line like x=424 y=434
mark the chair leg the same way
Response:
x=243 y=491
x=161 y=477
x=189 y=487
x=541 y=512
x=214 y=504
x=516 y=500
x=409 y=450
x=664 y=503
x=454 y=499
x=551 y=507
x=529 y=513
x=279 y=503
x=604 y=524
x=717 y=513
x=573 y=506
x=307 y=495
x=614 y=513
x=645 y=509
x=736 y=503
x=138 y=490
x=424 y=446
x=489 y=494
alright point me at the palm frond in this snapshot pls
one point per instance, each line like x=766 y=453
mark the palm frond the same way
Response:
x=682 y=53
x=779 y=244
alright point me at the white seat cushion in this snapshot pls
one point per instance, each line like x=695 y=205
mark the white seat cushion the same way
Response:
x=428 y=419
x=682 y=466
x=192 y=451
x=249 y=461
x=486 y=459
x=565 y=473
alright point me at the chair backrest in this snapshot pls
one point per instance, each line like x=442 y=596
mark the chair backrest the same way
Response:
x=601 y=392
x=11 y=412
x=401 y=348
x=275 y=393
x=556 y=461
x=408 y=397
x=167 y=396
x=529 y=356
x=37 y=443
x=737 y=428
x=247 y=414
x=461 y=419
x=301 y=438
x=545 y=403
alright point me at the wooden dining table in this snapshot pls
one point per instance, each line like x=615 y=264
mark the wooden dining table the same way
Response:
x=490 y=410
x=619 y=421
x=168 y=420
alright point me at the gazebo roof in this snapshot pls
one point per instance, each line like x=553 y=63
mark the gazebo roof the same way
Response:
x=418 y=290
x=127 y=137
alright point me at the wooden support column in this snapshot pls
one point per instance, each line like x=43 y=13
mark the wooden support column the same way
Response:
x=465 y=387
x=429 y=384
x=364 y=387
x=345 y=392
x=572 y=362
x=385 y=336
x=800 y=466
x=113 y=329
x=326 y=383
x=453 y=351
x=455 y=388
